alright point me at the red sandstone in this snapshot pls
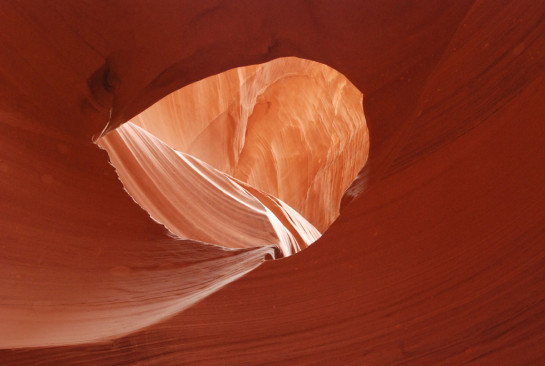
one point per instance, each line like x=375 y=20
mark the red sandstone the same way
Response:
x=437 y=257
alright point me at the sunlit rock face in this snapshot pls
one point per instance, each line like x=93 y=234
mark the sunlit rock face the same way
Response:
x=291 y=127
x=222 y=160
x=196 y=201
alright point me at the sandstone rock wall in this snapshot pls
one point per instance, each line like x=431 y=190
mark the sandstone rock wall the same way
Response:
x=436 y=258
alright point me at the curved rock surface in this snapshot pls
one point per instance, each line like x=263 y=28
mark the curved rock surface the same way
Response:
x=438 y=254
x=195 y=201
x=291 y=127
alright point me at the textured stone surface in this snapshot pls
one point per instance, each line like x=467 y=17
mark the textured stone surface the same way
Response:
x=437 y=256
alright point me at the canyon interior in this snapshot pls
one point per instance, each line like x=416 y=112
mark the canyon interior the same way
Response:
x=437 y=255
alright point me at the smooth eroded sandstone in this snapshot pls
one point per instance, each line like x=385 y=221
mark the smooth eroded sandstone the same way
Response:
x=196 y=201
x=436 y=258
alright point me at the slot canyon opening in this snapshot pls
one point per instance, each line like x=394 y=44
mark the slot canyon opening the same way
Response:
x=255 y=156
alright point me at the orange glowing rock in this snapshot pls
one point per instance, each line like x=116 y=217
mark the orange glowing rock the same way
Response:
x=291 y=127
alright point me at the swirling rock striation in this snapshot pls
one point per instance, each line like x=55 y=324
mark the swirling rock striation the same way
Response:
x=437 y=256
x=195 y=201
